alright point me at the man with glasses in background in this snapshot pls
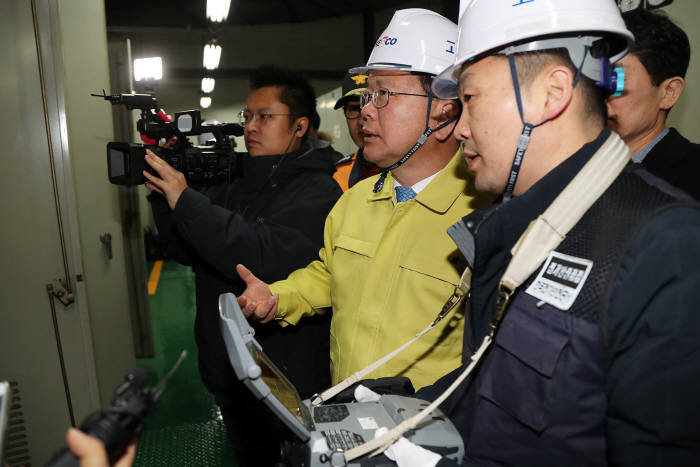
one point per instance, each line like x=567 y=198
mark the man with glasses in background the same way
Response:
x=654 y=81
x=387 y=266
x=269 y=217
x=353 y=167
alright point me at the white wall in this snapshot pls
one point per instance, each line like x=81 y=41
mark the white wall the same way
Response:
x=333 y=121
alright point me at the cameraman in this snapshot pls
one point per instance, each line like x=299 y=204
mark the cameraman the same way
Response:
x=271 y=217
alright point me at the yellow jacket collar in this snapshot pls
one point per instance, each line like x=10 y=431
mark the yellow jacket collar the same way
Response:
x=441 y=192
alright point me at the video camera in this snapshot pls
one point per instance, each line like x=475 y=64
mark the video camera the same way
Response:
x=122 y=422
x=200 y=165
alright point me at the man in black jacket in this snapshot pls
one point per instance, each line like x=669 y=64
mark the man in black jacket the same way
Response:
x=271 y=218
x=654 y=80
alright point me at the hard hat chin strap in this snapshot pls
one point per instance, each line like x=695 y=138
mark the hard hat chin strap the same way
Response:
x=421 y=141
x=524 y=139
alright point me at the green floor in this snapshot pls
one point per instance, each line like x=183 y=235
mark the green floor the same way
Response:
x=186 y=429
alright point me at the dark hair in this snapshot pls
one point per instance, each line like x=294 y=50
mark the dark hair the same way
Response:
x=426 y=81
x=660 y=45
x=529 y=65
x=295 y=90
x=315 y=120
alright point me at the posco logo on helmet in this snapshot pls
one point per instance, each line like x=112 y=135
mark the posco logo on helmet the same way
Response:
x=386 y=40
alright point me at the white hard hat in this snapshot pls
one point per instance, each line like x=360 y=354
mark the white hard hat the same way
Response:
x=416 y=40
x=491 y=26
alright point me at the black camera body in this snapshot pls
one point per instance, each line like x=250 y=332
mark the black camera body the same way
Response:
x=122 y=422
x=199 y=164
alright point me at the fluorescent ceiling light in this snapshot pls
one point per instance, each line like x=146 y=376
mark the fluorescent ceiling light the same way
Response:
x=628 y=5
x=204 y=102
x=217 y=10
x=658 y=3
x=212 y=55
x=148 y=68
x=207 y=85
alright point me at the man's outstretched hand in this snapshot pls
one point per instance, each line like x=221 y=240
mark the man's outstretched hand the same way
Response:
x=256 y=301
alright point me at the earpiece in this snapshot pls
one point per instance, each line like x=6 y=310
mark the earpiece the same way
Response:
x=298 y=127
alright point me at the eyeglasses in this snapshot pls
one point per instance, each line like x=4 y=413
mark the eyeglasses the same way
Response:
x=380 y=97
x=246 y=116
x=352 y=111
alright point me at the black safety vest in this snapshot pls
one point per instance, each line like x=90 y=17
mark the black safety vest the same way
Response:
x=538 y=397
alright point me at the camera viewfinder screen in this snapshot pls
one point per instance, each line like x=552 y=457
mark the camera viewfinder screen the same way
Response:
x=117 y=162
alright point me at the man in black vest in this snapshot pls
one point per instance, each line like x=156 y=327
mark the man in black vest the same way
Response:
x=271 y=218
x=593 y=358
x=654 y=80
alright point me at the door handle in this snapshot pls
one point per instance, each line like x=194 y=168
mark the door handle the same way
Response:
x=106 y=239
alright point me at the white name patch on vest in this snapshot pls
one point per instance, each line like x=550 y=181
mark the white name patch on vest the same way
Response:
x=560 y=280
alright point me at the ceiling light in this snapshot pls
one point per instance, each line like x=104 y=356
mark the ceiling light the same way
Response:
x=148 y=68
x=628 y=5
x=212 y=55
x=207 y=85
x=204 y=102
x=217 y=10
x=657 y=3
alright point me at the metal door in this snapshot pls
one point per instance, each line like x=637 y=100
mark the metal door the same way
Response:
x=45 y=342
